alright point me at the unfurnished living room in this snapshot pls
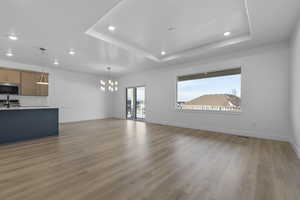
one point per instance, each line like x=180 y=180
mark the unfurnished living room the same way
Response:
x=150 y=100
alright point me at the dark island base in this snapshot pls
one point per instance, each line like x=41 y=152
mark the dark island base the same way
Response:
x=26 y=124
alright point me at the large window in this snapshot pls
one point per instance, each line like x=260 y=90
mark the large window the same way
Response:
x=216 y=91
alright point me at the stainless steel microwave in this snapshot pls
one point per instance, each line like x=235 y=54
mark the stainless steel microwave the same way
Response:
x=9 y=88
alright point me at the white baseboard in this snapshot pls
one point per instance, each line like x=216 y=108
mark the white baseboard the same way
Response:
x=246 y=133
x=295 y=147
x=84 y=120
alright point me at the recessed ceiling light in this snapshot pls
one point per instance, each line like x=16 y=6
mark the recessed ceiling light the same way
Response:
x=163 y=53
x=13 y=37
x=111 y=28
x=9 y=53
x=72 y=52
x=171 y=28
x=227 y=33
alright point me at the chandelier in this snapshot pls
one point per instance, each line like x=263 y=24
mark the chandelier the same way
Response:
x=109 y=85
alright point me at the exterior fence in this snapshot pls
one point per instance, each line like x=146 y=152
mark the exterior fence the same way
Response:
x=209 y=108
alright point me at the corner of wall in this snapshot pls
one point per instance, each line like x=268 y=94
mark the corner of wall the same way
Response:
x=294 y=45
x=296 y=148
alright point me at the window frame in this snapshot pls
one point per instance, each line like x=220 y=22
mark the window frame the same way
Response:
x=239 y=112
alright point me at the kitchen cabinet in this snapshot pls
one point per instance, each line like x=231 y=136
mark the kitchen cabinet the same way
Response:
x=27 y=81
x=29 y=86
x=20 y=124
x=41 y=90
x=9 y=76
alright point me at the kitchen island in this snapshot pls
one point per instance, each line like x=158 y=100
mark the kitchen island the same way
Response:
x=24 y=123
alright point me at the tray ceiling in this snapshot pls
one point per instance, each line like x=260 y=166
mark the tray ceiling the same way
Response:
x=188 y=31
x=165 y=30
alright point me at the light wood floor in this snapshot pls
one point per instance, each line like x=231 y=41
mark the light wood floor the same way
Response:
x=127 y=160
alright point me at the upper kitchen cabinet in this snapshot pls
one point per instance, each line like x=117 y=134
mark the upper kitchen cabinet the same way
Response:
x=27 y=81
x=10 y=76
x=29 y=86
x=42 y=89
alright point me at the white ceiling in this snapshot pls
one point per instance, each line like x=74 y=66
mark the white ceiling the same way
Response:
x=172 y=26
x=141 y=30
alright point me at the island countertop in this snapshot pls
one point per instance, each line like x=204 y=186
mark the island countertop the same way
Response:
x=27 y=108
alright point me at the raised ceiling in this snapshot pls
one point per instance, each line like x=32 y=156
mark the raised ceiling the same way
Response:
x=159 y=29
x=141 y=33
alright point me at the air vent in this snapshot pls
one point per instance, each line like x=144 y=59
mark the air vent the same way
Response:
x=243 y=137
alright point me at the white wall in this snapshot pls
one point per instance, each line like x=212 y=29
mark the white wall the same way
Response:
x=265 y=95
x=76 y=94
x=265 y=110
x=295 y=88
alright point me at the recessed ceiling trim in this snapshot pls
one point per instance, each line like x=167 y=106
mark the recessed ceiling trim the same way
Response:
x=181 y=53
x=209 y=47
x=248 y=17
x=121 y=44
x=117 y=42
x=108 y=12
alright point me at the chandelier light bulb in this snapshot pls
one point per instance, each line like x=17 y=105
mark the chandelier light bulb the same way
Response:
x=102 y=82
x=56 y=62
x=13 y=37
x=9 y=53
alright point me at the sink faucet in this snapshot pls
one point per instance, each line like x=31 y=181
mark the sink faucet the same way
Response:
x=7 y=104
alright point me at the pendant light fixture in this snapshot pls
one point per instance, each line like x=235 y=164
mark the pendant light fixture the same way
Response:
x=109 y=85
x=43 y=78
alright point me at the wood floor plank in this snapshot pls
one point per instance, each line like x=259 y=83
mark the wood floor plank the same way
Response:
x=127 y=160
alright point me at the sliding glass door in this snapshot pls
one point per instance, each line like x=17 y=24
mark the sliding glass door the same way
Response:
x=130 y=104
x=140 y=103
x=135 y=103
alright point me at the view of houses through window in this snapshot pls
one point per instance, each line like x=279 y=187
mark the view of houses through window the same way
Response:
x=217 y=91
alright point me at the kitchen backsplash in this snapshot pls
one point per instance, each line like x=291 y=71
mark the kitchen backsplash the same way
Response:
x=28 y=100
